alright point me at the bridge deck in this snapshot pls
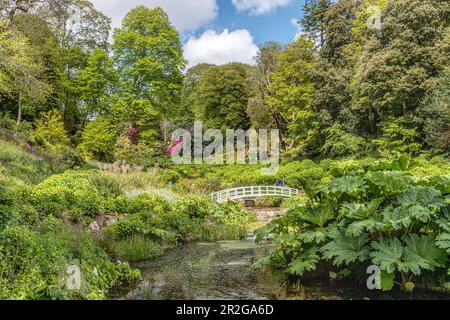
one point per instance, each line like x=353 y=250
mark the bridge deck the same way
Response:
x=254 y=192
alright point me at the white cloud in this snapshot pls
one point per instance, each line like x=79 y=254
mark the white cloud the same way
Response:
x=299 y=31
x=221 y=48
x=186 y=15
x=259 y=7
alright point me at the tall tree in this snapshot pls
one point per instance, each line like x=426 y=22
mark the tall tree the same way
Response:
x=262 y=113
x=403 y=60
x=97 y=83
x=192 y=80
x=21 y=76
x=313 y=21
x=435 y=115
x=149 y=59
x=293 y=93
x=44 y=45
x=10 y=8
x=222 y=97
x=335 y=68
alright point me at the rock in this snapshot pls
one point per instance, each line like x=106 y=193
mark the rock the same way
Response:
x=110 y=220
x=94 y=227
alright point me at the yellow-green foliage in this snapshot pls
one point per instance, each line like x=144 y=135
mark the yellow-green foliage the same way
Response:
x=98 y=140
x=50 y=132
x=71 y=191
x=24 y=166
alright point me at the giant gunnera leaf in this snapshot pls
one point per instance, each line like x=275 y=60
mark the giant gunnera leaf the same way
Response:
x=389 y=183
x=425 y=248
x=419 y=253
x=305 y=261
x=350 y=185
x=443 y=241
x=387 y=254
x=317 y=236
x=420 y=195
x=345 y=250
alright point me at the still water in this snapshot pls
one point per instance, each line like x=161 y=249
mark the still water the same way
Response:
x=222 y=270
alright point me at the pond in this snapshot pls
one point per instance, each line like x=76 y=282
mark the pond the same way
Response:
x=222 y=270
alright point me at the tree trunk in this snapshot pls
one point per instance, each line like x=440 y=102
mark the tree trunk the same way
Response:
x=19 y=111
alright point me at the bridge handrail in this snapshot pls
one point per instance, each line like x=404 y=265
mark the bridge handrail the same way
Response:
x=253 y=191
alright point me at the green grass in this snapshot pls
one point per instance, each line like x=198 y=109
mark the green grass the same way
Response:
x=136 y=249
x=21 y=165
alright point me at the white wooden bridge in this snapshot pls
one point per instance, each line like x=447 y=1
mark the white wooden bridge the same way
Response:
x=254 y=192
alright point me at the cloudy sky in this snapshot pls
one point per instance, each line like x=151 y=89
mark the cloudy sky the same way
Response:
x=220 y=31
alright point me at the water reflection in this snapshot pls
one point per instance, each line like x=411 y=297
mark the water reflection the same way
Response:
x=222 y=270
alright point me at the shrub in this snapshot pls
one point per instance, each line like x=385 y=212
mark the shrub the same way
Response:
x=300 y=173
x=148 y=203
x=66 y=192
x=71 y=158
x=341 y=144
x=98 y=140
x=125 y=229
x=50 y=132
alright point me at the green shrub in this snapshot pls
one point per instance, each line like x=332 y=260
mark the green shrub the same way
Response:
x=98 y=140
x=125 y=229
x=148 y=203
x=195 y=207
x=116 y=205
x=50 y=133
x=387 y=218
x=298 y=174
x=71 y=158
x=68 y=191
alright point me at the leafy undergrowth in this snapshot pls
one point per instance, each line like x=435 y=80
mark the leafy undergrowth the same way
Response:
x=155 y=224
x=44 y=233
x=391 y=214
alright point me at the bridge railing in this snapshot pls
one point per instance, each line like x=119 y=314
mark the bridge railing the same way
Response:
x=254 y=192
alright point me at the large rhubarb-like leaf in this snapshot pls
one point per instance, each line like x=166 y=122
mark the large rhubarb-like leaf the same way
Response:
x=319 y=215
x=316 y=236
x=357 y=228
x=443 y=241
x=345 y=250
x=387 y=254
x=389 y=183
x=350 y=185
x=305 y=261
x=420 y=253
x=425 y=248
x=425 y=196
x=360 y=211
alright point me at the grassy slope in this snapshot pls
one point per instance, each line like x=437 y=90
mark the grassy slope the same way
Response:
x=19 y=164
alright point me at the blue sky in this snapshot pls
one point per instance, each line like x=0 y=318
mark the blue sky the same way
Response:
x=273 y=26
x=220 y=31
